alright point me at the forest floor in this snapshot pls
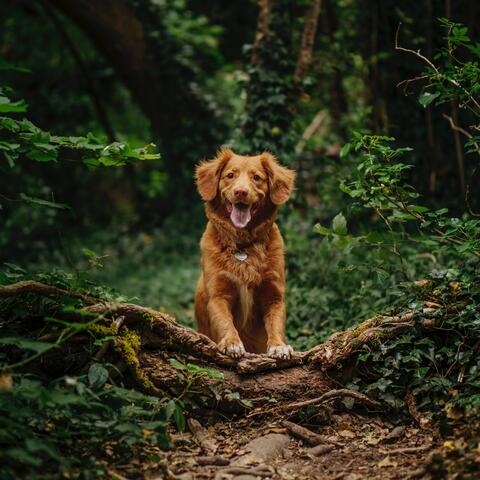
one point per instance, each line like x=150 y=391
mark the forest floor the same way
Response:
x=352 y=450
x=354 y=447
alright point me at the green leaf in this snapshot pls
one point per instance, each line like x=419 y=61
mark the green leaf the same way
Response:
x=170 y=409
x=7 y=106
x=97 y=375
x=339 y=224
x=36 y=346
x=321 y=229
x=176 y=364
x=426 y=98
x=179 y=417
x=345 y=150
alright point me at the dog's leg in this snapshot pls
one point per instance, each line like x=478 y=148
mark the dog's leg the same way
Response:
x=223 y=293
x=274 y=317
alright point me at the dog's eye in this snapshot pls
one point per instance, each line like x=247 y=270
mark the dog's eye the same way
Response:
x=230 y=175
x=257 y=178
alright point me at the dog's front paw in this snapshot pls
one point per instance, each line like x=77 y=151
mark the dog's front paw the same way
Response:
x=232 y=347
x=280 y=351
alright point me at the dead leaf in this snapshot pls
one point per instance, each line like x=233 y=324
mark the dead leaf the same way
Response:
x=453 y=412
x=373 y=441
x=449 y=445
x=387 y=462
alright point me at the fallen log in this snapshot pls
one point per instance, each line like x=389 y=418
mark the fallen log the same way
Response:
x=164 y=357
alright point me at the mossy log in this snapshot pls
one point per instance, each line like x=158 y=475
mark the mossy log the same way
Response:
x=145 y=341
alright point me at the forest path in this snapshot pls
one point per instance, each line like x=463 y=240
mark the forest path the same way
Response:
x=353 y=447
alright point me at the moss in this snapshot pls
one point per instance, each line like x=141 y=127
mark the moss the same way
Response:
x=103 y=330
x=128 y=344
x=359 y=329
x=150 y=317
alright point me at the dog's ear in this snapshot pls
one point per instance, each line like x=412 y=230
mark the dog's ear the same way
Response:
x=208 y=174
x=281 y=179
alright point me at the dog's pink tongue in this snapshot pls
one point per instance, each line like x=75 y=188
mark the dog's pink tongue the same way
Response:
x=240 y=217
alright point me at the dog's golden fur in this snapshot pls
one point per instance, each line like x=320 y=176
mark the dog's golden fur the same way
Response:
x=240 y=303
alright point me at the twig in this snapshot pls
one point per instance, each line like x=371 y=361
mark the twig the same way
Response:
x=331 y=395
x=302 y=433
x=320 y=450
x=423 y=422
x=421 y=448
x=258 y=471
x=433 y=67
x=310 y=131
x=477 y=146
x=416 y=53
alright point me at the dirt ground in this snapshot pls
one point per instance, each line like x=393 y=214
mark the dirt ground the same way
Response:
x=352 y=447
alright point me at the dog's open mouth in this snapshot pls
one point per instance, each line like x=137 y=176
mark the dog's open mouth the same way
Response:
x=240 y=213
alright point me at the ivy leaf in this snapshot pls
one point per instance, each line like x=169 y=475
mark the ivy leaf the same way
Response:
x=97 y=375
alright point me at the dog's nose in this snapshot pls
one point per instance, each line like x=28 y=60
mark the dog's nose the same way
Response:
x=240 y=192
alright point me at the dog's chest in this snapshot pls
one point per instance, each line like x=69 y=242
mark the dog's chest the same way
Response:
x=247 y=266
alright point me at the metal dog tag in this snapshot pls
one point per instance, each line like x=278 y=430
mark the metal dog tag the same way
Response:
x=241 y=256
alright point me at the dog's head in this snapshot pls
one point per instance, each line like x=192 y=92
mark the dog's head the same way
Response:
x=244 y=185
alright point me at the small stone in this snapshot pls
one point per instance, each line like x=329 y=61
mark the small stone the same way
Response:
x=320 y=450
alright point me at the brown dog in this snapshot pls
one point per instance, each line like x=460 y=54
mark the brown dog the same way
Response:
x=239 y=302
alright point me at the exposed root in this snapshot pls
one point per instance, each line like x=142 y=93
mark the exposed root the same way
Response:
x=146 y=340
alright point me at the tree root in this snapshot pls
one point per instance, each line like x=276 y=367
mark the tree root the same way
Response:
x=146 y=340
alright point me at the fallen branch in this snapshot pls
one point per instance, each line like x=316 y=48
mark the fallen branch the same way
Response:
x=342 y=345
x=31 y=286
x=332 y=395
x=422 y=421
x=302 y=433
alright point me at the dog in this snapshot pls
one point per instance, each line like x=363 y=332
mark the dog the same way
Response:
x=240 y=295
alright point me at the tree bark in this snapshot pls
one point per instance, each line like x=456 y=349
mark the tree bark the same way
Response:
x=308 y=39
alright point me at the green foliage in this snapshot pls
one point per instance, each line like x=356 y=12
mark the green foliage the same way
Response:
x=439 y=364
x=75 y=425
x=456 y=78
x=22 y=139
x=271 y=91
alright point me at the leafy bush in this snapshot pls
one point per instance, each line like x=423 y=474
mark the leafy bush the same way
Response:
x=75 y=425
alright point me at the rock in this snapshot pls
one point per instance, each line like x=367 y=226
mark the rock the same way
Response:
x=261 y=449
